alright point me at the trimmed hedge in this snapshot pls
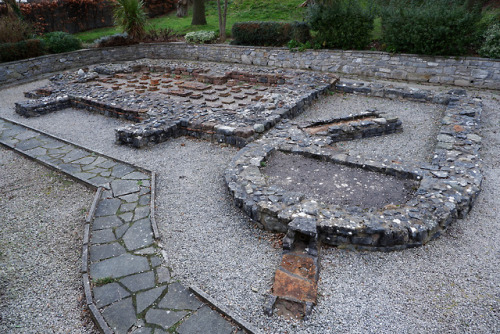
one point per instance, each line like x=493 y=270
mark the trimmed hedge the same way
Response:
x=21 y=50
x=269 y=33
x=433 y=27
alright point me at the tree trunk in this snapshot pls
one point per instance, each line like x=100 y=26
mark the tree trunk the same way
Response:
x=182 y=8
x=199 y=18
x=222 y=21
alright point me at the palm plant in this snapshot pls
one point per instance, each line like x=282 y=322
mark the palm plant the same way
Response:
x=130 y=16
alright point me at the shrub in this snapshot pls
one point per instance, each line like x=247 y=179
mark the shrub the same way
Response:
x=130 y=16
x=341 y=24
x=159 y=35
x=491 y=44
x=59 y=41
x=21 y=50
x=439 y=27
x=269 y=33
x=201 y=37
x=13 y=30
x=114 y=40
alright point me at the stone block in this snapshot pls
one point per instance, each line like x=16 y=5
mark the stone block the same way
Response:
x=164 y=318
x=146 y=298
x=179 y=298
x=120 y=316
x=205 y=320
x=139 y=235
x=289 y=286
x=109 y=293
x=119 y=266
x=140 y=281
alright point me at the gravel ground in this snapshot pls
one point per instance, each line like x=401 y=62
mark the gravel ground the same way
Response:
x=41 y=230
x=451 y=285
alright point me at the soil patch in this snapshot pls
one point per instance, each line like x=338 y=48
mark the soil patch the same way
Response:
x=336 y=184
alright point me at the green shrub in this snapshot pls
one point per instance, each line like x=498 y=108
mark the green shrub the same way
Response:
x=59 y=41
x=344 y=24
x=293 y=46
x=491 y=44
x=21 y=50
x=13 y=30
x=201 y=37
x=130 y=16
x=159 y=35
x=269 y=33
x=436 y=27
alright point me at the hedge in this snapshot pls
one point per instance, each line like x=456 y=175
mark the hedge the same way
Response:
x=269 y=33
x=437 y=27
x=21 y=50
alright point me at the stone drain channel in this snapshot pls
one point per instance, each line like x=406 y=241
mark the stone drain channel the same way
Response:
x=126 y=288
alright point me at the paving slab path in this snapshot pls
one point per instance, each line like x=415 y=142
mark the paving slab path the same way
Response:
x=126 y=287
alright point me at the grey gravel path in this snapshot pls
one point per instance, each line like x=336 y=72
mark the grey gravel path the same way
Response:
x=451 y=285
x=41 y=230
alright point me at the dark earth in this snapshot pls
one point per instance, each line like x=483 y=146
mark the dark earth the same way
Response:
x=336 y=184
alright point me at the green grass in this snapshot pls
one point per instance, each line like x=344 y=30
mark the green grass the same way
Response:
x=91 y=35
x=377 y=29
x=238 y=11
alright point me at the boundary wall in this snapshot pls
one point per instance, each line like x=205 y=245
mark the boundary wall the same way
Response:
x=481 y=73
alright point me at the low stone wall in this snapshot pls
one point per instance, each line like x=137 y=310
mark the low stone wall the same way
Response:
x=466 y=72
x=448 y=187
x=363 y=125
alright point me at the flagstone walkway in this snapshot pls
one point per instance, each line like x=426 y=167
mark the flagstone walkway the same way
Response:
x=126 y=288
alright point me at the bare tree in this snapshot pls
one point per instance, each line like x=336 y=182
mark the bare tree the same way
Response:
x=199 y=18
x=13 y=8
x=182 y=8
x=222 y=20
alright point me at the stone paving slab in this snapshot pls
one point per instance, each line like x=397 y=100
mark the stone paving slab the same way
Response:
x=126 y=288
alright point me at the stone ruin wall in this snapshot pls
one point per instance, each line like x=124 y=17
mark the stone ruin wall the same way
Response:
x=465 y=72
